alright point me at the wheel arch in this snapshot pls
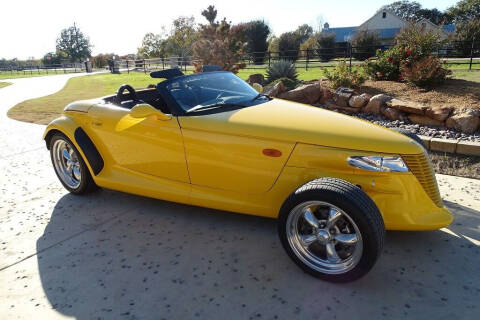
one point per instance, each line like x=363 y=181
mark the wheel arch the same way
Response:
x=75 y=133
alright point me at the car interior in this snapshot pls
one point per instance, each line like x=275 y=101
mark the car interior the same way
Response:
x=133 y=97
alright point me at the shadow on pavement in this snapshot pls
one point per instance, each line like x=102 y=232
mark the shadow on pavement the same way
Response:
x=161 y=260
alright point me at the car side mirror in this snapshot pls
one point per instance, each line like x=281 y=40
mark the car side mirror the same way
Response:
x=145 y=110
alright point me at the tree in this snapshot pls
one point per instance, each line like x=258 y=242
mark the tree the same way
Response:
x=413 y=11
x=210 y=14
x=465 y=10
x=326 y=45
x=256 y=33
x=74 y=44
x=304 y=32
x=220 y=43
x=466 y=15
x=288 y=46
x=273 y=46
x=365 y=44
x=182 y=36
x=153 y=46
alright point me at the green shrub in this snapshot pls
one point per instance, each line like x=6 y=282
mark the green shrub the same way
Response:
x=364 y=44
x=425 y=72
x=342 y=76
x=326 y=46
x=389 y=63
x=281 y=69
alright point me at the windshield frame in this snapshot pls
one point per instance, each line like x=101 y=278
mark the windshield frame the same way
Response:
x=178 y=110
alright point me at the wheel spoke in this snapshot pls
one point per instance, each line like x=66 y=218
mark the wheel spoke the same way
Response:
x=333 y=216
x=66 y=154
x=307 y=240
x=346 y=238
x=310 y=218
x=332 y=255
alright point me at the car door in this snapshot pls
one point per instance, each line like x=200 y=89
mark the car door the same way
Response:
x=146 y=145
x=235 y=162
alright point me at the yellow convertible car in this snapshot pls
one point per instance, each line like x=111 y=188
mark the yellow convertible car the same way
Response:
x=335 y=183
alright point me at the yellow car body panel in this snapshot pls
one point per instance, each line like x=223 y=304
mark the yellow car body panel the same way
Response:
x=218 y=160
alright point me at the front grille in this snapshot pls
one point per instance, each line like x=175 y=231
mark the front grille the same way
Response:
x=421 y=167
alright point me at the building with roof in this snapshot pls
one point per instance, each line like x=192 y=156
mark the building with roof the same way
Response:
x=386 y=24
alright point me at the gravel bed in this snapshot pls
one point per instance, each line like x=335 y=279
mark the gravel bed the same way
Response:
x=429 y=131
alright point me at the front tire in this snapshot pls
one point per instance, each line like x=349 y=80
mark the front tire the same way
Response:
x=332 y=230
x=69 y=166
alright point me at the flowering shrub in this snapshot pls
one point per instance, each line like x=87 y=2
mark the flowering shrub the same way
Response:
x=425 y=72
x=342 y=76
x=390 y=63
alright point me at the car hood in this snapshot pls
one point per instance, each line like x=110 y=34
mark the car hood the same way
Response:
x=289 y=121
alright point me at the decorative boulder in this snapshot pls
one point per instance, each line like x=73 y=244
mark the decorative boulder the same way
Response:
x=256 y=78
x=326 y=93
x=407 y=106
x=275 y=90
x=359 y=101
x=426 y=121
x=307 y=93
x=342 y=96
x=465 y=121
x=332 y=106
x=392 y=114
x=376 y=103
x=438 y=113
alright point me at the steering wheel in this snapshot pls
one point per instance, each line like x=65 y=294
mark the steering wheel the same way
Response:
x=132 y=94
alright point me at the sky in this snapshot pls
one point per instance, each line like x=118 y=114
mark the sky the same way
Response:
x=30 y=28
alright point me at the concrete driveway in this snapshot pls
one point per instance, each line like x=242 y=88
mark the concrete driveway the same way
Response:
x=111 y=255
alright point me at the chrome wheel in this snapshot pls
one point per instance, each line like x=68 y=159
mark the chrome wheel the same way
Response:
x=66 y=163
x=324 y=237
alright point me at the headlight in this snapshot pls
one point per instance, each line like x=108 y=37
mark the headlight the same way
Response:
x=384 y=164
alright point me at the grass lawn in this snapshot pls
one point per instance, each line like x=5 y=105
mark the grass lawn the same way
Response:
x=4 y=84
x=43 y=110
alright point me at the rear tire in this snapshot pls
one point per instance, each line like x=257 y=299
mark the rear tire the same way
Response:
x=332 y=230
x=69 y=166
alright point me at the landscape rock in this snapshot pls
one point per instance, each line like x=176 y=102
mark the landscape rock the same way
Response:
x=275 y=90
x=424 y=120
x=256 y=78
x=392 y=114
x=358 y=101
x=333 y=106
x=326 y=93
x=342 y=96
x=376 y=103
x=407 y=106
x=466 y=121
x=307 y=93
x=438 y=113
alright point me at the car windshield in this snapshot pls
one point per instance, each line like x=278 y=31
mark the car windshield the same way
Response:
x=212 y=90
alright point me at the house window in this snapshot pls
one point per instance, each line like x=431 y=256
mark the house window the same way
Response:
x=384 y=15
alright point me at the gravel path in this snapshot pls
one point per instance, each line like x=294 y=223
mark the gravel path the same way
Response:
x=111 y=255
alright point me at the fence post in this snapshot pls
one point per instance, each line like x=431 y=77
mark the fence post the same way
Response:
x=306 y=62
x=471 y=53
x=350 y=52
x=269 y=56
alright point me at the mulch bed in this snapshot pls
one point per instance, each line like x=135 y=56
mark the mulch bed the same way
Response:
x=454 y=93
